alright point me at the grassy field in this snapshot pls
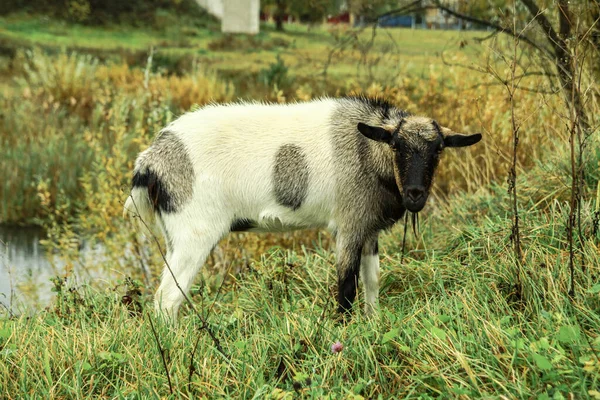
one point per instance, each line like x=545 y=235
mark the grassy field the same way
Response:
x=303 y=49
x=450 y=326
x=91 y=86
x=459 y=318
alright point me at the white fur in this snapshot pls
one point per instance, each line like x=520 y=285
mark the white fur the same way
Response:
x=369 y=274
x=227 y=164
x=231 y=146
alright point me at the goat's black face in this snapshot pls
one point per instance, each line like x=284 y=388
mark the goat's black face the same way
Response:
x=416 y=160
x=417 y=143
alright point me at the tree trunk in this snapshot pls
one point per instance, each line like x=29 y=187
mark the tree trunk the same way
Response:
x=279 y=15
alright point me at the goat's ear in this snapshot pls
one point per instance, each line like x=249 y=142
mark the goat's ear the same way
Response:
x=374 y=133
x=452 y=139
x=461 y=140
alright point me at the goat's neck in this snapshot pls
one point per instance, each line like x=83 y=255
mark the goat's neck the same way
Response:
x=383 y=159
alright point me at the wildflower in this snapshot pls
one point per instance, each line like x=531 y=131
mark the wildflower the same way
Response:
x=337 y=347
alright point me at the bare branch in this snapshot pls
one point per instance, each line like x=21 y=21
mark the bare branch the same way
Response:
x=484 y=38
x=162 y=353
x=499 y=28
x=524 y=88
x=413 y=7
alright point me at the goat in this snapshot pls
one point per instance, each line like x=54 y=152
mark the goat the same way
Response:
x=353 y=165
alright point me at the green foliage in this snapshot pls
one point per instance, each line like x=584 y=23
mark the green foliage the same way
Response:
x=142 y=13
x=486 y=10
x=372 y=8
x=313 y=11
x=88 y=113
x=392 y=334
x=276 y=75
x=79 y=10
x=446 y=326
x=569 y=334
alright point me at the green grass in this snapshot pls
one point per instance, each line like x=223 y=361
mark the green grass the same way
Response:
x=48 y=32
x=417 y=50
x=450 y=325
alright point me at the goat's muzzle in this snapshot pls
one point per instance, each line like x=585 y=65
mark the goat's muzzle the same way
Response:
x=415 y=198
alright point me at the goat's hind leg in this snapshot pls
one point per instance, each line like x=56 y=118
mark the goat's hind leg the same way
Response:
x=188 y=247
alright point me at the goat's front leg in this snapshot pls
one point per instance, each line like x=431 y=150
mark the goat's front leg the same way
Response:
x=369 y=273
x=349 y=249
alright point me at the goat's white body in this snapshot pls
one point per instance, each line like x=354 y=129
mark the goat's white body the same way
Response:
x=270 y=168
x=232 y=150
x=336 y=163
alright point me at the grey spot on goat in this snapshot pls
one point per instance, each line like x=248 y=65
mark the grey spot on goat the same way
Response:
x=290 y=176
x=166 y=171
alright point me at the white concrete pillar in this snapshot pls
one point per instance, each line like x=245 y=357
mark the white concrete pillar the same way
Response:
x=240 y=16
x=214 y=7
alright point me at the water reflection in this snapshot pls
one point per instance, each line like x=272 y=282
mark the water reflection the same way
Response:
x=23 y=263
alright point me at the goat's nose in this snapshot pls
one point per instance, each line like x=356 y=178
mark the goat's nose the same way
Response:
x=415 y=193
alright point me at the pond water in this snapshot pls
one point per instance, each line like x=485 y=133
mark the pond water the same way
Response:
x=26 y=269
x=23 y=263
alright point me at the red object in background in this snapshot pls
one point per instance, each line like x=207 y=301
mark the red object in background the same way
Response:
x=343 y=18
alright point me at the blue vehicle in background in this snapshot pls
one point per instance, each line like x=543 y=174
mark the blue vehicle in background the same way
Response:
x=397 y=21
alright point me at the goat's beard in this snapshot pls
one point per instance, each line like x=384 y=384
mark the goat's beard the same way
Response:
x=414 y=218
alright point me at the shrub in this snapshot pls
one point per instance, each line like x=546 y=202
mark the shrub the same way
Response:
x=74 y=97
x=144 y=13
x=248 y=43
x=276 y=75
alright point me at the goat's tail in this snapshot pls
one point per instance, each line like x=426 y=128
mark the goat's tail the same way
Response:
x=138 y=205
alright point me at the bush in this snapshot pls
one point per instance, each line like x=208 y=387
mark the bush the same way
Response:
x=74 y=99
x=276 y=75
x=143 y=13
x=248 y=43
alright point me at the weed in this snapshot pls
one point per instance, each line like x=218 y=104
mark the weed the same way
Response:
x=445 y=328
x=247 y=43
x=276 y=75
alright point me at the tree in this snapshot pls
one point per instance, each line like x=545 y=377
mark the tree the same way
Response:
x=313 y=11
x=564 y=36
x=556 y=28
x=370 y=9
x=279 y=14
x=310 y=11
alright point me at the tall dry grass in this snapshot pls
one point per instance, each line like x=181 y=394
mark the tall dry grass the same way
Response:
x=55 y=105
x=74 y=95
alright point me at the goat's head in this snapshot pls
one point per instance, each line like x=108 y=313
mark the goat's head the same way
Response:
x=417 y=143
